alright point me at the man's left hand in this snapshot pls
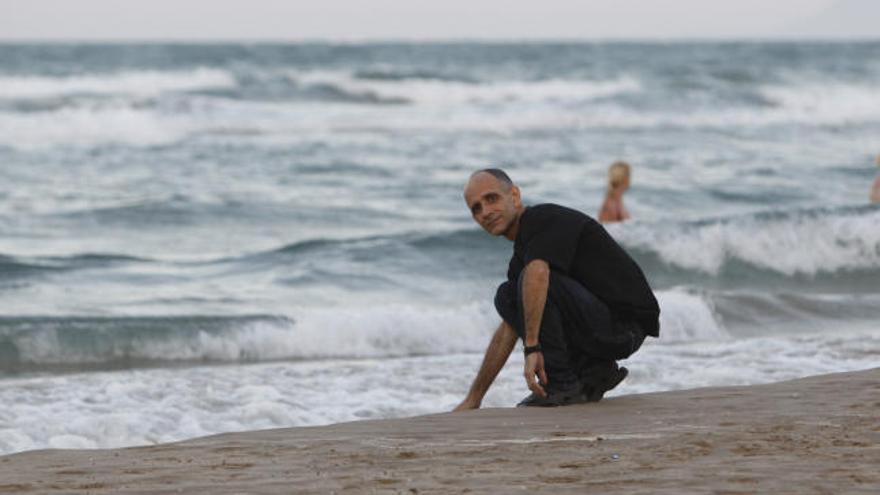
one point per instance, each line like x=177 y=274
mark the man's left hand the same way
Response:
x=535 y=367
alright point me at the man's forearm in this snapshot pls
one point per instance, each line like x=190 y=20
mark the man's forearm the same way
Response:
x=496 y=355
x=536 y=280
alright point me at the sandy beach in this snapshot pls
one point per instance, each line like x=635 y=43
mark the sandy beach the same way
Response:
x=814 y=435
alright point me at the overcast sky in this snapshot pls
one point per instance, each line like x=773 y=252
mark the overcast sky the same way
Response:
x=434 y=19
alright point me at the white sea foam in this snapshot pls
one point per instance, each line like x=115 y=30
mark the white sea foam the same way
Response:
x=431 y=91
x=796 y=102
x=88 y=126
x=319 y=333
x=115 y=409
x=346 y=332
x=793 y=244
x=688 y=317
x=826 y=102
x=316 y=333
x=136 y=83
x=511 y=106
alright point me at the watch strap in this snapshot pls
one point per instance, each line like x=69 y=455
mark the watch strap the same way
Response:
x=531 y=348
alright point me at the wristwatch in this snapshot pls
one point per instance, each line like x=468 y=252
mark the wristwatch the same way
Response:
x=531 y=348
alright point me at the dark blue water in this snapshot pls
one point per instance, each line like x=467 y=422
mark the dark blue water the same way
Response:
x=223 y=181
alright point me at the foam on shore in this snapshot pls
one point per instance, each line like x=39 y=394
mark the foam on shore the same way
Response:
x=813 y=435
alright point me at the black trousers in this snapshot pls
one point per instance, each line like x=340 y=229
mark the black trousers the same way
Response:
x=581 y=339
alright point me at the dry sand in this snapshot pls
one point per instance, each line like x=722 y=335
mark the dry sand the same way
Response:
x=814 y=435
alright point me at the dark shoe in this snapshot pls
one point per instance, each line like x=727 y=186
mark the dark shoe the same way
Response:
x=555 y=398
x=593 y=392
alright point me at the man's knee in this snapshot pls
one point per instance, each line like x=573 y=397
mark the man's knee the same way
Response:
x=629 y=338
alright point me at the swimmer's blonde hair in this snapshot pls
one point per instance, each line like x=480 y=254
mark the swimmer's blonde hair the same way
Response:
x=618 y=174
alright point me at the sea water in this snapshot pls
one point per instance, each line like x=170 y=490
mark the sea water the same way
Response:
x=198 y=239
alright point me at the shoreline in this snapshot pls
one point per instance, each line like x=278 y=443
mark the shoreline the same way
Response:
x=818 y=434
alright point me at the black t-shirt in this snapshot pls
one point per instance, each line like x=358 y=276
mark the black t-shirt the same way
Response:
x=579 y=247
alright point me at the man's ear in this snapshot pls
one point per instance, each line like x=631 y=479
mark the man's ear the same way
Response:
x=517 y=199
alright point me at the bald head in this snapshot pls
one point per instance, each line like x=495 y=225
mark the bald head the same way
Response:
x=494 y=201
x=499 y=175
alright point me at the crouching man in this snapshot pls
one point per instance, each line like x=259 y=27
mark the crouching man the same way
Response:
x=573 y=295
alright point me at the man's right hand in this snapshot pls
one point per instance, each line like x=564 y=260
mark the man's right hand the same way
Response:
x=497 y=353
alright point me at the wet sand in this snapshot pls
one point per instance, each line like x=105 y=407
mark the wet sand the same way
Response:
x=815 y=435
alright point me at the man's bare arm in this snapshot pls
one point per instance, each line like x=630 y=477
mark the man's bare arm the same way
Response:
x=496 y=355
x=536 y=280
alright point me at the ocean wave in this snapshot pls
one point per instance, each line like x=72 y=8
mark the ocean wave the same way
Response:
x=797 y=102
x=12 y=267
x=842 y=242
x=135 y=83
x=808 y=242
x=183 y=210
x=688 y=317
x=749 y=313
x=396 y=74
x=286 y=110
x=443 y=91
x=434 y=241
x=89 y=126
x=174 y=211
x=82 y=343
x=818 y=249
x=825 y=102
x=33 y=344
x=18 y=267
x=400 y=256
x=828 y=249
x=321 y=91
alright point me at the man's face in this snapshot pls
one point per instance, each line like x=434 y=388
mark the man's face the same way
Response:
x=492 y=205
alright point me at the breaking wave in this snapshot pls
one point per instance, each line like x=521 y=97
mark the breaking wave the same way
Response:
x=807 y=242
x=134 y=83
x=431 y=90
x=87 y=343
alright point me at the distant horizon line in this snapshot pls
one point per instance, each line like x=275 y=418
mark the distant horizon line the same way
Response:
x=451 y=40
